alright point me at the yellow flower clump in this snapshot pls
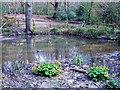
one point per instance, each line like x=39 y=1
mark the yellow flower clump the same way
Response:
x=87 y=66
x=106 y=68
x=33 y=67
x=106 y=75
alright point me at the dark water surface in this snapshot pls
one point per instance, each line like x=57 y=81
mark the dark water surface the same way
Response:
x=28 y=49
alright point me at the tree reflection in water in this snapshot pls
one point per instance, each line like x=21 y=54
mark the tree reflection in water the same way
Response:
x=29 y=49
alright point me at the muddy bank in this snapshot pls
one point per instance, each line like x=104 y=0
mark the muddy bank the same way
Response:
x=66 y=79
x=25 y=78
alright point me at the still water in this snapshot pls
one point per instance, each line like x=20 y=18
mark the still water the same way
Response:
x=29 y=49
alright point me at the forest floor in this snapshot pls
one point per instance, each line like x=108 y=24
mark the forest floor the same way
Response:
x=42 y=22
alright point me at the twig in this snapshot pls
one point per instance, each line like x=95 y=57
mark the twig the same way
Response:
x=52 y=4
x=3 y=25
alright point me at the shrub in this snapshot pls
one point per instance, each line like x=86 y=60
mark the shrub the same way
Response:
x=33 y=28
x=104 y=29
x=71 y=13
x=79 y=30
x=98 y=73
x=90 y=32
x=79 y=12
x=112 y=84
x=47 y=69
x=63 y=14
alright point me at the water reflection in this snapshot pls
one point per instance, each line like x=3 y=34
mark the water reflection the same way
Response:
x=30 y=57
x=29 y=49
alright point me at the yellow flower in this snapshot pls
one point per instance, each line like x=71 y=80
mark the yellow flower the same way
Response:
x=87 y=66
x=107 y=68
x=105 y=75
x=33 y=67
x=58 y=63
x=104 y=66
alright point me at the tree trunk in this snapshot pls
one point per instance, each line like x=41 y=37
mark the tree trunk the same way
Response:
x=89 y=13
x=28 y=13
x=55 y=5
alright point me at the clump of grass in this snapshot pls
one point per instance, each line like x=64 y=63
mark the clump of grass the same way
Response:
x=77 y=60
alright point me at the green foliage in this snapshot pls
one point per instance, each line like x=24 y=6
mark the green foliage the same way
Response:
x=9 y=31
x=42 y=8
x=71 y=13
x=54 y=31
x=103 y=30
x=98 y=73
x=2 y=8
x=112 y=84
x=47 y=69
x=80 y=12
x=92 y=31
x=117 y=33
x=63 y=14
x=89 y=31
x=6 y=30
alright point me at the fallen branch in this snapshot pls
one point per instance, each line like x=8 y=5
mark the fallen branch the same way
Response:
x=52 y=4
x=78 y=70
x=2 y=26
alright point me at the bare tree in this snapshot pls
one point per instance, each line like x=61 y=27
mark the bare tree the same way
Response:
x=55 y=5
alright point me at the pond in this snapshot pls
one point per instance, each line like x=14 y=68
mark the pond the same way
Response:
x=30 y=49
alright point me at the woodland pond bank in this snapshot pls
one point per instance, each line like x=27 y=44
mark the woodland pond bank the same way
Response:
x=20 y=54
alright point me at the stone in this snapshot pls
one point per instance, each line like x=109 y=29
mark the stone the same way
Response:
x=82 y=85
x=70 y=81
x=92 y=86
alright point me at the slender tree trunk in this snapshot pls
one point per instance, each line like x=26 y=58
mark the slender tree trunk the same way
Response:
x=28 y=14
x=55 y=9
x=9 y=8
x=66 y=7
x=89 y=14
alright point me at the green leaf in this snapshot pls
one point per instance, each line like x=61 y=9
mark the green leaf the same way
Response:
x=46 y=73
